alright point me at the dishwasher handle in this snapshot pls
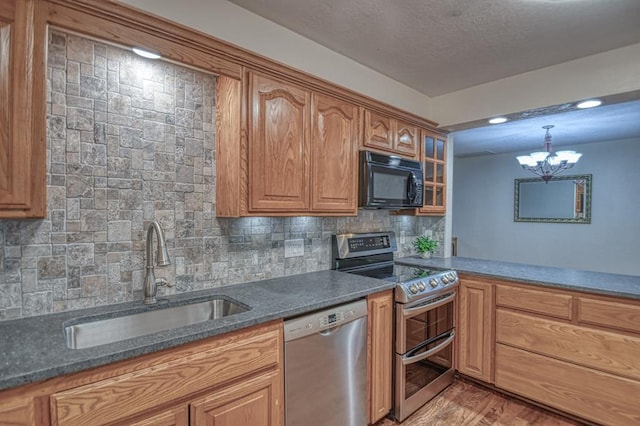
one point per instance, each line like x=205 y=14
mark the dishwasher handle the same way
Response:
x=321 y=321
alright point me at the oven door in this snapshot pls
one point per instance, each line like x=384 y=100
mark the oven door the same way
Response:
x=424 y=352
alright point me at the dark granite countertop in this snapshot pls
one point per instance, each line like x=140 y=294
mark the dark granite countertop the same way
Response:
x=34 y=349
x=570 y=279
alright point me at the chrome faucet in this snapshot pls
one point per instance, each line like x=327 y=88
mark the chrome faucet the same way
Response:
x=162 y=259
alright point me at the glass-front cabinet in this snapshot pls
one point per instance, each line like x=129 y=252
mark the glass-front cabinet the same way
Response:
x=435 y=181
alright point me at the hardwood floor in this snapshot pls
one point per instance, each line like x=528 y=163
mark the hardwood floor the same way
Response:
x=466 y=403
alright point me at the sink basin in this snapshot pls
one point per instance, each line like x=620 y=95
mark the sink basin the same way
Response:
x=95 y=332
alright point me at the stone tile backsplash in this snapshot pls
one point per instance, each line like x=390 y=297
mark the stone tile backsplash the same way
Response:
x=132 y=140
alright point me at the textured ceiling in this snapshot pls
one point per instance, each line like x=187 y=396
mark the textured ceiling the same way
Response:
x=440 y=46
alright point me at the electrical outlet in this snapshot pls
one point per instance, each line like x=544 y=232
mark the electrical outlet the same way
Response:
x=293 y=248
x=428 y=233
x=403 y=234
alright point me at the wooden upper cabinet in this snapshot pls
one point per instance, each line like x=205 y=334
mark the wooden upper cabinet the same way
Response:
x=334 y=140
x=378 y=133
x=22 y=111
x=388 y=134
x=278 y=146
x=407 y=139
x=435 y=173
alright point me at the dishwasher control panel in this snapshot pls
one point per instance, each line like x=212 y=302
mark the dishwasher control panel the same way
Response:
x=321 y=321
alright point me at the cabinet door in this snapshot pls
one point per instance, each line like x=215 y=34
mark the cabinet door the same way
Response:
x=407 y=140
x=334 y=139
x=379 y=132
x=173 y=417
x=255 y=402
x=22 y=110
x=475 y=330
x=435 y=182
x=17 y=412
x=278 y=146
x=380 y=353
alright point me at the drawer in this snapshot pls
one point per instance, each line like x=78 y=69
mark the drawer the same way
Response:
x=604 y=350
x=593 y=395
x=624 y=316
x=122 y=396
x=540 y=302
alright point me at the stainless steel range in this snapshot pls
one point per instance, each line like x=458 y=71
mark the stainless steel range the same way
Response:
x=425 y=308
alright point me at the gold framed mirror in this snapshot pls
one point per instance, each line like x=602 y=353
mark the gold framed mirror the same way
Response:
x=564 y=199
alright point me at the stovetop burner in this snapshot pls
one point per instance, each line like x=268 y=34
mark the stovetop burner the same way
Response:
x=371 y=255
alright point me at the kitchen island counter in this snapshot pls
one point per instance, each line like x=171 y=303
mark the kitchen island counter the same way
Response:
x=569 y=279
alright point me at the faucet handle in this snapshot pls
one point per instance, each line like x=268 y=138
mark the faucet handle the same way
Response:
x=164 y=283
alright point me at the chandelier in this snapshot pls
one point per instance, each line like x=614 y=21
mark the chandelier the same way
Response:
x=547 y=164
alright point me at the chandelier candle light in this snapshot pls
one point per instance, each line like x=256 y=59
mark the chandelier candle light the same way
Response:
x=547 y=164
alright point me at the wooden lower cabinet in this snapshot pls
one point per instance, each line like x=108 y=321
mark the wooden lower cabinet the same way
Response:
x=232 y=379
x=17 y=412
x=475 y=329
x=571 y=351
x=246 y=403
x=173 y=417
x=584 y=392
x=380 y=328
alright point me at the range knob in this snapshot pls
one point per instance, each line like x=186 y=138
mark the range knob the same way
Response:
x=421 y=286
x=413 y=288
x=433 y=283
x=445 y=279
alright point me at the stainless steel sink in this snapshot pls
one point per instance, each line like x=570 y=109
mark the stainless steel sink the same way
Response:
x=95 y=332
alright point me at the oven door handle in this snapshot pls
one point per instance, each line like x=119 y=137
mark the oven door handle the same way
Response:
x=409 y=359
x=417 y=310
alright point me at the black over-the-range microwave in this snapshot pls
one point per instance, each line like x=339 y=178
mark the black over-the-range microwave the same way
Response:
x=389 y=182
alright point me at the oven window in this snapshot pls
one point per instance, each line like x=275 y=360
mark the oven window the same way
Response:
x=428 y=325
x=421 y=373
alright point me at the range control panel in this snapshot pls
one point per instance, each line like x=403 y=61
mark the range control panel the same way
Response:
x=420 y=288
x=357 y=244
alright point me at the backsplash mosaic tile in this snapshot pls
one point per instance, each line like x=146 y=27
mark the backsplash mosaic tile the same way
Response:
x=129 y=141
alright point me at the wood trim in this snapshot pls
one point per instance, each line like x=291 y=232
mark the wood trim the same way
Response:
x=379 y=354
x=228 y=146
x=122 y=25
x=119 y=21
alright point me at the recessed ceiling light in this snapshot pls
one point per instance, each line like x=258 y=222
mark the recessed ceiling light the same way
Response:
x=591 y=103
x=498 y=120
x=145 y=53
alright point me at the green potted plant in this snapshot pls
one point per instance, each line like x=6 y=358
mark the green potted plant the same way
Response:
x=425 y=246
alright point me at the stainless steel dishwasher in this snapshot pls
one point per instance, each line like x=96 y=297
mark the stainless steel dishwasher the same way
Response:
x=326 y=367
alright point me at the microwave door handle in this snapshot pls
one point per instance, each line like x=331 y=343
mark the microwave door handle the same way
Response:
x=412 y=186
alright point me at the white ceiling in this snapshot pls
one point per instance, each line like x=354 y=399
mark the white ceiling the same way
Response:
x=604 y=123
x=440 y=46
